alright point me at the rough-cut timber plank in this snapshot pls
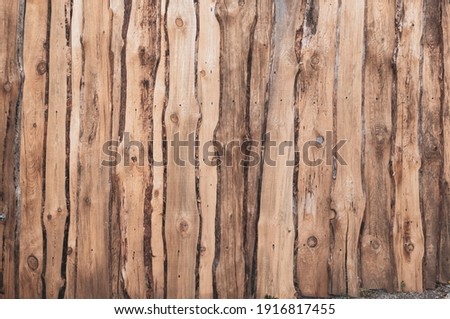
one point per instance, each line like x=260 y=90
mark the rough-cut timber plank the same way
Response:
x=276 y=225
x=407 y=232
x=157 y=202
x=181 y=117
x=32 y=157
x=93 y=249
x=77 y=76
x=316 y=87
x=142 y=51
x=237 y=21
x=258 y=95
x=56 y=209
x=117 y=62
x=431 y=143
x=208 y=73
x=377 y=268
x=444 y=247
x=9 y=92
x=347 y=195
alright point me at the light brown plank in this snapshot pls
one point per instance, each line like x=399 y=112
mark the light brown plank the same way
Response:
x=9 y=92
x=431 y=144
x=56 y=209
x=258 y=97
x=237 y=20
x=134 y=172
x=444 y=247
x=276 y=225
x=32 y=157
x=208 y=79
x=93 y=190
x=407 y=232
x=347 y=195
x=316 y=89
x=377 y=264
x=181 y=116
x=157 y=202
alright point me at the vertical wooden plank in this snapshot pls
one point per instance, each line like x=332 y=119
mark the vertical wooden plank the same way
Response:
x=444 y=247
x=377 y=264
x=93 y=189
x=181 y=116
x=142 y=51
x=9 y=94
x=208 y=75
x=407 y=233
x=276 y=227
x=258 y=95
x=157 y=202
x=347 y=195
x=74 y=132
x=56 y=209
x=431 y=144
x=117 y=66
x=237 y=20
x=316 y=90
x=32 y=151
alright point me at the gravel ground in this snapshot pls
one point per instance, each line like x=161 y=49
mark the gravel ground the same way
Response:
x=441 y=292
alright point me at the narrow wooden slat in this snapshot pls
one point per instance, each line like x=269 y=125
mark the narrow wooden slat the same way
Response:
x=157 y=203
x=117 y=63
x=431 y=144
x=444 y=247
x=208 y=69
x=377 y=268
x=32 y=151
x=10 y=82
x=276 y=227
x=76 y=82
x=348 y=199
x=56 y=209
x=316 y=89
x=408 y=238
x=93 y=250
x=237 y=20
x=181 y=116
x=258 y=96
x=134 y=171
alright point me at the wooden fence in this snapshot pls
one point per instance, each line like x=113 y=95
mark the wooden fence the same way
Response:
x=94 y=201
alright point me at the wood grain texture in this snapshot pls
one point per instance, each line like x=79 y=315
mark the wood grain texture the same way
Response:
x=10 y=84
x=56 y=200
x=259 y=80
x=134 y=179
x=431 y=143
x=377 y=268
x=237 y=21
x=158 y=202
x=93 y=249
x=316 y=90
x=208 y=90
x=276 y=227
x=444 y=243
x=181 y=116
x=408 y=233
x=32 y=159
x=348 y=198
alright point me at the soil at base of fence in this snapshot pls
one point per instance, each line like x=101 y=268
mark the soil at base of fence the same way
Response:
x=440 y=292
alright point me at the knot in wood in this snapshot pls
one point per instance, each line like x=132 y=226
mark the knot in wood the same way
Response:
x=312 y=241
x=409 y=247
x=7 y=87
x=174 y=118
x=179 y=22
x=69 y=251
x=42 y=68
x=183 y=226
x=32 y=262
x=375 y=244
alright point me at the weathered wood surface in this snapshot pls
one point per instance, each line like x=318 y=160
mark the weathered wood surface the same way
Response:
x=102 y=101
